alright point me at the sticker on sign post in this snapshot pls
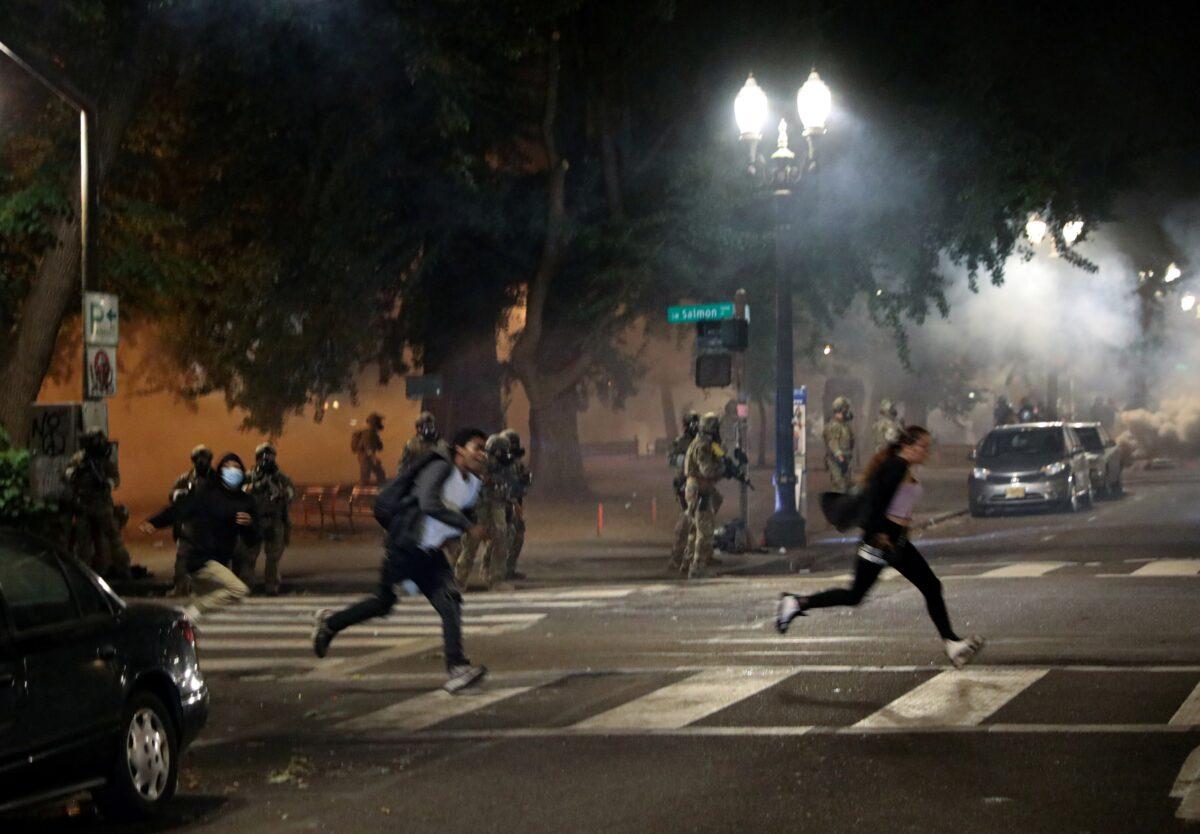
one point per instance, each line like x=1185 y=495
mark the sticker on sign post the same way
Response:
x=100 y=319
x=101 y=372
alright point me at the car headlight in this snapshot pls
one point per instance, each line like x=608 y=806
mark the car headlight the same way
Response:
x=979 y=473
x=1055 y=468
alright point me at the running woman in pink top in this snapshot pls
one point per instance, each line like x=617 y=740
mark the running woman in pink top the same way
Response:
x=892 y=493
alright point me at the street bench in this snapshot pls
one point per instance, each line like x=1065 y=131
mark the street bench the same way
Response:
x=323 y=498
x=361 y=503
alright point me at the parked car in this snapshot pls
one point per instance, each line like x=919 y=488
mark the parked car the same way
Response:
x=95 y=695
x=1029 y=465
x=1104 y=458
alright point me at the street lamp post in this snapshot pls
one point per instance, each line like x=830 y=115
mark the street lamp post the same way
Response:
x=781 y=175
x=88 y=199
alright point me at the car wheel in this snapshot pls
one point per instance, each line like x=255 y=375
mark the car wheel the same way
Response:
x=146 y=765
x=977 y=511
x=1073 y=503
x=1116 y=490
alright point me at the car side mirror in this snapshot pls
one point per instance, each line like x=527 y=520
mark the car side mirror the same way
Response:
x=971 y=455
x=1112 y=444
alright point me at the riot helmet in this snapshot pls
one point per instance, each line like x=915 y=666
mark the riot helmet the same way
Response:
x=427 y=426
x=691 y=422
x=514 y=443
x=710 y=426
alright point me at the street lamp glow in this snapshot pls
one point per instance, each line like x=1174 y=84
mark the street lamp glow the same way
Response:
x=813 y=102
x=750 y=109
x=828 y=349
x=1035 y=229
x=1071 y=231
x=1187 y=303
x=1173 y=273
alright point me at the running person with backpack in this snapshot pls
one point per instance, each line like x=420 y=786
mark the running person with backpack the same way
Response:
x=890 y=496
x=422 y=510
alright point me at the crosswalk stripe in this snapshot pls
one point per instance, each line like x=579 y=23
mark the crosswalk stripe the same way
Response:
x=502 y=596
x=213 y=626
x=689 y=700
x=1169 y=567
x=254 y=664
x=429 y=709
x=954 y=698
x=1023 y=570
x=426 y=615
x=1189 y=713
x=362 y=640
x=1189 y=775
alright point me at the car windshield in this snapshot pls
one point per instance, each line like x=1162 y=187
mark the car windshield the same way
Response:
x=1089 y=436
x=1027 y=442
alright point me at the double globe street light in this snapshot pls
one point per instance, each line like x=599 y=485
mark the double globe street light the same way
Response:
x=781 y=174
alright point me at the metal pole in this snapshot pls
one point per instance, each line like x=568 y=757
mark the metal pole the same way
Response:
x=743 y=411
x=785 y=528
x=88 y=196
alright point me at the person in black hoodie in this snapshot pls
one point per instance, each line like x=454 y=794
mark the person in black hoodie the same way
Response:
x=891 y=495
x=211 y=518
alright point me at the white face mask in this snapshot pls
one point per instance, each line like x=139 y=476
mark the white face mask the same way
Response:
x=232 y=476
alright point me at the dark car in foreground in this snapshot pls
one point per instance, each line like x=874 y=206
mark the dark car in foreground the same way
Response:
x=1104 y=459
x=95 y=695
x=1029 y=465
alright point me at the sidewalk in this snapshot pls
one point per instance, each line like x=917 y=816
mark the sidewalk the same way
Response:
x=563 y=543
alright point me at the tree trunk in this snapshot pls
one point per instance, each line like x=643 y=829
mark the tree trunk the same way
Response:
x=763 y=435
x=555 y=452
x=27 y=360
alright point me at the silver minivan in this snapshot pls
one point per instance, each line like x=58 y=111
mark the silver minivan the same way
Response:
x=1031 y=465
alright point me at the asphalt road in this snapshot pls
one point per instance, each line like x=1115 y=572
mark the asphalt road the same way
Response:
x=665 y=706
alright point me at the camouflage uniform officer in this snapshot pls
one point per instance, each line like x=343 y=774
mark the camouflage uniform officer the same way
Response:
x=366 y=445
x=202 y=458
x=675 y=459
x=491 y=512
x=704 y=465
x=519 y=481
x=422 y=443
x=273 y=492
x=887 y=428
x=839 y=445
x=91 y=476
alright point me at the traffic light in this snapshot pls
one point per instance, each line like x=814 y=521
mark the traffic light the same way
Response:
x=714 y=370
x=730 y=334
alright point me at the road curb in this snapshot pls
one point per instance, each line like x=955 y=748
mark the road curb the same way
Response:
x=933 y=521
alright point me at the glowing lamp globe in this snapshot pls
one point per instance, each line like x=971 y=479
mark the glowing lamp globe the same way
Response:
x=1035 y=229
x=1071 y=231
x=750 y=109
x=814 y=102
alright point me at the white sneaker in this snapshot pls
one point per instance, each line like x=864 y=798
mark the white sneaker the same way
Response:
x=962 y=652
x=463 y=676
x=788 y=609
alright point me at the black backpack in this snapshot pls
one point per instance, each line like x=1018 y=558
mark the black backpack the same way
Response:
x=396 y=507
x=844 y=510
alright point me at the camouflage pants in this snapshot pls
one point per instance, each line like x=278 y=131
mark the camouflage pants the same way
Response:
x=683 y=530
x=516 y=538
x=275 y=538
x=495 y=548
x=702 y=514
x=183 y=582
x=839 y=474
x=98 y=542
x=370 y=470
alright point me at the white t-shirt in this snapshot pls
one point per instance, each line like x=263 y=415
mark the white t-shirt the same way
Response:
x=459 y=492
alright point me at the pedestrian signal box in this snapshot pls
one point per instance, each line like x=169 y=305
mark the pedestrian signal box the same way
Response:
x=714 y=370
x=731 y=334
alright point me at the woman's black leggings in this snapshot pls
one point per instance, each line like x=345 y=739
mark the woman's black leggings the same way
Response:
x=912 y=566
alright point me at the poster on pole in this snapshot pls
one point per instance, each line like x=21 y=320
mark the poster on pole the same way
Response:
x=100 y=319
x=800 y=445
x=101 y=372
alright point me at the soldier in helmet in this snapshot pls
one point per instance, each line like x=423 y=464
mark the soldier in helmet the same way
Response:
x=491 y=514
x=675 y=459
x=202 y=458
x=422 y=443
x=519 y=481
x=704 y=466
x=839 y=445
x=273 y=492
x=887 y=428
x=366 y=445
x=91 y=476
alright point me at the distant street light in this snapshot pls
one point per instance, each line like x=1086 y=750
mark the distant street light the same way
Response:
x=88 y=199
x=827 y=350
x=779 y=175
x=1187 y=303
x=1071 y=231
x=1035 y=229
x=1173 y=274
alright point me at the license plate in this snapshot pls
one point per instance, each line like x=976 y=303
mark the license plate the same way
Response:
x=1014 y=492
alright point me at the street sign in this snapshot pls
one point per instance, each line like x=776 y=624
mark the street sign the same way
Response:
x=717 y=311
x=101 y=372
x=100 y=319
